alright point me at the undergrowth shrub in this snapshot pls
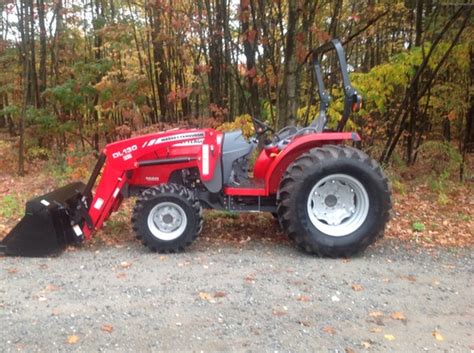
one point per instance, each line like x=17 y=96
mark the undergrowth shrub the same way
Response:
x=443 y=161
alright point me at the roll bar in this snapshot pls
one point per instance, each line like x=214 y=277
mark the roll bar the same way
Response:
x=352 y=100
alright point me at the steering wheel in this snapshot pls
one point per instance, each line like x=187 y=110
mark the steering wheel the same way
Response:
x=261 y=127
x=285 y=132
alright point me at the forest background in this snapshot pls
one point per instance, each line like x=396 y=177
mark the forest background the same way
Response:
x=77 y=74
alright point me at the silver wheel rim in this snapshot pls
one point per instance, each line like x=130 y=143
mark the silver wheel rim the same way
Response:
x=167 y=221
x=338 y=205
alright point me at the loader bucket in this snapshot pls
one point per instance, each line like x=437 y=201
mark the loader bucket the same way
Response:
x=47 y=227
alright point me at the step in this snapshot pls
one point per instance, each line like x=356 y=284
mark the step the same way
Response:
x=250 y=187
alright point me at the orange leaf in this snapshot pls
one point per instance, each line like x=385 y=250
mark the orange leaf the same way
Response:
x=438 y=336
x=452 y=115
x=357 y=287
x=303 y=298
x=329 y=329
x=398 y=316
x=73 y=339
x=376 y=314
x=207 y=297
x=279 y=313
x=251 y=35
x=107 y=328
x=125 y=264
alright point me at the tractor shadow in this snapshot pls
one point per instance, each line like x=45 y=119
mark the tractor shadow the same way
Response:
x=240 y=230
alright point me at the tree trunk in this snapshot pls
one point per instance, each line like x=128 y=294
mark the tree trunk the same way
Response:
x=215 y=53
x=25 y=17
x=32 y=77
x=287 y=100
x=468 y=138
x=99 y=14
x=162 y=76
x=42 y=64
x=250 y=44
x=414 y=94
x=56 y=42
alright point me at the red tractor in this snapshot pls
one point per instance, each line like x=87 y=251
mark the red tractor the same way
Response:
x=331 y=199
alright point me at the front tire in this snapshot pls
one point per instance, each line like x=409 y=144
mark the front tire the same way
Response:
x=167 y=218
x=334 y=201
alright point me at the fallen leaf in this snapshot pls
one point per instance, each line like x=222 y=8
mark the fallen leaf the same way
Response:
x=375 y=329
x=398 y=316
x=121 y=275
x=389 y=337
x=438 y=336
x=366 y=344
x=329 y=329
x=303 y=298
x=125 y=264
x=249 y=279
x=376 y=314
x=349 y=350
x=51 y=288
x=207 y=297
x=72 y=339
x=107 y=328
x=279 y=312
x=220 y=294
x=12 y=271
x=410 y=278
x=357 y=287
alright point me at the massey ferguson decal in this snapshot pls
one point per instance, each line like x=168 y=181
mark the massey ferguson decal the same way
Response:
x=178 y=137
x=190 y=143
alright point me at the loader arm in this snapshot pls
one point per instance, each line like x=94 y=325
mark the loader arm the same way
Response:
x=121 y=159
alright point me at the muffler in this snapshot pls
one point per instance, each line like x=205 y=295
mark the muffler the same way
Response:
x=51 y=222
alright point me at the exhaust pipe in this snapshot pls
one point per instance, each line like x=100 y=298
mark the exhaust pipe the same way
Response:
x=51 y=222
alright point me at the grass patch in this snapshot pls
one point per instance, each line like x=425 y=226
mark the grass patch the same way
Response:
x=10 y=206
x=417 y=226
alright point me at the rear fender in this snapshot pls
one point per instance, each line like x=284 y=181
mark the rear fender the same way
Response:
x=296 y=148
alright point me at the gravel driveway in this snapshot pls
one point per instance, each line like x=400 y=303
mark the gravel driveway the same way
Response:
x=254 y=296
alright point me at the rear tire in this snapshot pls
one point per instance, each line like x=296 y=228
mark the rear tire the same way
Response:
x=167 y=218
x=334 y=201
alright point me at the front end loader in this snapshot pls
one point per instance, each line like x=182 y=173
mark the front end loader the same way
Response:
x=331 y=199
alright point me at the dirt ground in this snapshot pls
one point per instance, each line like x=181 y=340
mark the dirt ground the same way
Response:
x=258 y=294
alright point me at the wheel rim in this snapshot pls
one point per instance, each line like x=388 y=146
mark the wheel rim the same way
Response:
x=338 y=205
x=167 y=221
